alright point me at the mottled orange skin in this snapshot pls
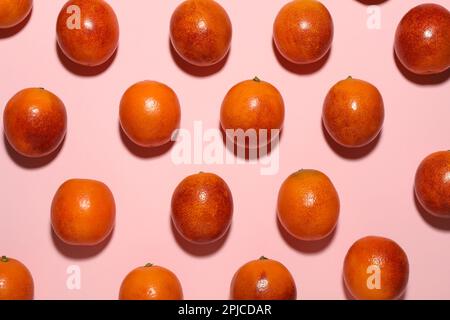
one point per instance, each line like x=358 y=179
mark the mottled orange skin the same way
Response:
x=303 y=31
x=422 y=40
x=151 y=283
x=149 y=113
x=83 y=212
x=13 y=12
x=35 y=122
x=202 y=208
x=432 y=184
x=16 y=282
x=353 y=113
x=381 y=252
x=98 y=36
x=263 y=279
x=252 y=104
x=201 y=31
x=308 y=205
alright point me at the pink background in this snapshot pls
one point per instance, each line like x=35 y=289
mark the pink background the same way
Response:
x=375 y=184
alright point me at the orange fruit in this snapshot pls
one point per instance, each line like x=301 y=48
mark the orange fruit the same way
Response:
x=432 y=184
x=149 y=113
x=202 y=208
x=376 y=268
x=200 y=31
x=13 y=12
x=353 y=112
x=308 y=205
x=263 y=279
x=83 y=212
x=16 y=282
x=90 y=35
x=151 y=283
x=252 y=104
x=422 y=39
x=303 y=31
x=35 y=122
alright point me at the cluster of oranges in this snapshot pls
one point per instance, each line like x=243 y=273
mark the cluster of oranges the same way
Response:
x=83 y=211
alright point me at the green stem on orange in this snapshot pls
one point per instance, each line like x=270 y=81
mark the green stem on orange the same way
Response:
x=349 y=78
x=256 y=79
x=148 y=265
x=263 y=258
x=4 y=259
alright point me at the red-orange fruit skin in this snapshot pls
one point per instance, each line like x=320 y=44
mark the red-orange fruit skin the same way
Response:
x=13 y=12
x=303 y=31
x=16 y=282
x=353 y=113
x=308 y=205
x=83 y=212
x=252 y=104
x=432 y=184
x=383 y=253
x=263 y=279
x=151 y=283
x=422 y=39
x=97 y=37
x=201 y=32
x=202 y=208
x=149 y=113
x=35 y=122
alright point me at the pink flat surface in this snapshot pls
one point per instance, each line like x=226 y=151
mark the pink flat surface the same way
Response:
x=375 y=184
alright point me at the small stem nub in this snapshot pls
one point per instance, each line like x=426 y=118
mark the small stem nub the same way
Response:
x=349 y=78
x=148 y=265
x=263 y=258
x=4 y=259
x=256 y=79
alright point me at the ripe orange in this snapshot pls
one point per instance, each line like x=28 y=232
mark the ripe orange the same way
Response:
x=308 y=205
x=13 y=12
x=353 y=112
x=303 y=31
x=151 y=283
x=16 y=282
x=252 y=104
x=422 y=39
x=432 y=184
x=200 y=31
x=88 y=36
x=202 y=208
x=83 y=212
x=35 y=122
x=376 y=268
x=263 y=279
x=149 y=113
